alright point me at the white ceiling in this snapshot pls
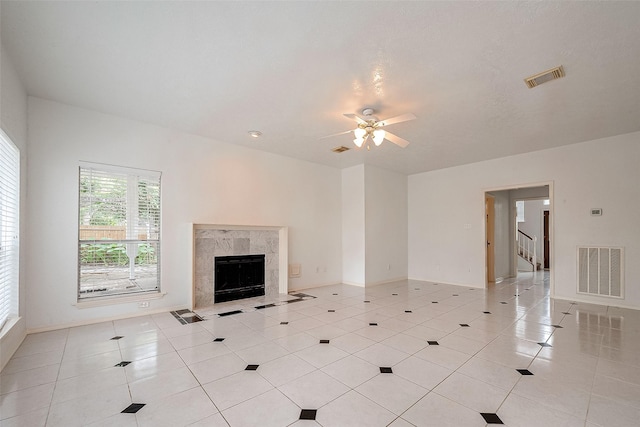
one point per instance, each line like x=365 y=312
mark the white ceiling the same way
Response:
x=291 y=69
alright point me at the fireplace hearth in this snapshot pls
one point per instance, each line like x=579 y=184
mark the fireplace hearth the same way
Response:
x=239 y=276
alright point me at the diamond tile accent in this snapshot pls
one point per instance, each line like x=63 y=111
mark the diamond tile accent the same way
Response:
x=284 y=323
x=117 y=337
x=308 y=414
x=386 y=370
x=433 y=343
x=566 y=312
x=544 y=344
x=373 y=324
x=230 y=313
x=251 y=367
x=133 y=408
x=503 y=302
x=367 y=301
x=408 y=311
x=395 y=295
x=331 y=311
x=464 y=325
x=434 y=302
x=558 y=326
x=324 y=341
x=524 y=372
x=334 y=294
x=491 y=418
x=486 y=312
x=218 y=340
x=122 y=364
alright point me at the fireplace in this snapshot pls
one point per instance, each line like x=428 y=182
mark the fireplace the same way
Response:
x=238 y=276
x=210 y=241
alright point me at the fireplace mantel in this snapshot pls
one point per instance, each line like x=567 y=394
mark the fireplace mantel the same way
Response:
x=211 y=240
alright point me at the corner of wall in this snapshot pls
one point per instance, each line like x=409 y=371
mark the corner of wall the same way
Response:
x=10 y=340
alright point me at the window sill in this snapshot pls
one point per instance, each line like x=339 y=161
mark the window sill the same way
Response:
x=124 y=299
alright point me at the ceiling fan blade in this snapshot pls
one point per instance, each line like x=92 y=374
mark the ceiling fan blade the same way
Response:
x=396 y=139
x=398 y=119
x=336 y=134
x=358 y=119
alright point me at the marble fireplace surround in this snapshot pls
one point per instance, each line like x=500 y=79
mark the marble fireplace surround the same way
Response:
x=212 y=240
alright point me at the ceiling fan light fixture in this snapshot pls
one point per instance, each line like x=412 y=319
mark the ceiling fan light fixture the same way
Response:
x=358 y=142
x=359 y=133
x=378 y=136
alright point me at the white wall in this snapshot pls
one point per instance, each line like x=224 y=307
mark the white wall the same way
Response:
x=353 y=225
x=602 y=173
x=13 y=120
x=385 y=225
x=203 y=181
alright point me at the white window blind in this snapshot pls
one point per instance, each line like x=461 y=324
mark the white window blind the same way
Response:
x=9 y=227
x=119 y=230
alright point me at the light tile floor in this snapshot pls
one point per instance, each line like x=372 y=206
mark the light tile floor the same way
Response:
x=584 y=360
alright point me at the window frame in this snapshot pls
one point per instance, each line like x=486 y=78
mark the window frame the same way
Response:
x=152 y=239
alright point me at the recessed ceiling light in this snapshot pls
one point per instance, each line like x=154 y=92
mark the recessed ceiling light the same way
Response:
x=255 y=133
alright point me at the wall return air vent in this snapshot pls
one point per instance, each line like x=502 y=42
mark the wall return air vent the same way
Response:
x=545 y=76
x=601 y=271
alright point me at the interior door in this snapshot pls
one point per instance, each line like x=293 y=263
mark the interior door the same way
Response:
x=490 y=227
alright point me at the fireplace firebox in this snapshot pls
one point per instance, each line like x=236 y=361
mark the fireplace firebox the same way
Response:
x=238 y=276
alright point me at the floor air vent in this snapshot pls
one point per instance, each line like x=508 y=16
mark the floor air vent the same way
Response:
x=600 y=271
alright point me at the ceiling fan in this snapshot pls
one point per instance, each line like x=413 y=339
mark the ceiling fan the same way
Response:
x=370 y=128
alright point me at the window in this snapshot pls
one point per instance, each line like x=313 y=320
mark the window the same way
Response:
x=9 y=227
x=119 y=231
x=520 y=211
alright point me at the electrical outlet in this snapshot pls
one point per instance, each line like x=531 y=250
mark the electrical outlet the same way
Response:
x=143 y=304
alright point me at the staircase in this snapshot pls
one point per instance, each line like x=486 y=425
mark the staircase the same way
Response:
x=527 y=250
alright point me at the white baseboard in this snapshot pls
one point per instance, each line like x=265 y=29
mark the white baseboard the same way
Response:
x=314 y=286
x=384 y=282
x=104 y=319
x=449 y=283
x=360 y=285
x=587 y=301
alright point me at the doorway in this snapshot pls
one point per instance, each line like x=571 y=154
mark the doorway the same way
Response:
x=500 y=239
x=545 y=233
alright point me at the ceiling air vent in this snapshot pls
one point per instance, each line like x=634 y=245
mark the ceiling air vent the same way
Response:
x=340 y=149
x=545 y=76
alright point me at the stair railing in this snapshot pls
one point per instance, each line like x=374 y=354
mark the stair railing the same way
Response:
x=527 y=248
